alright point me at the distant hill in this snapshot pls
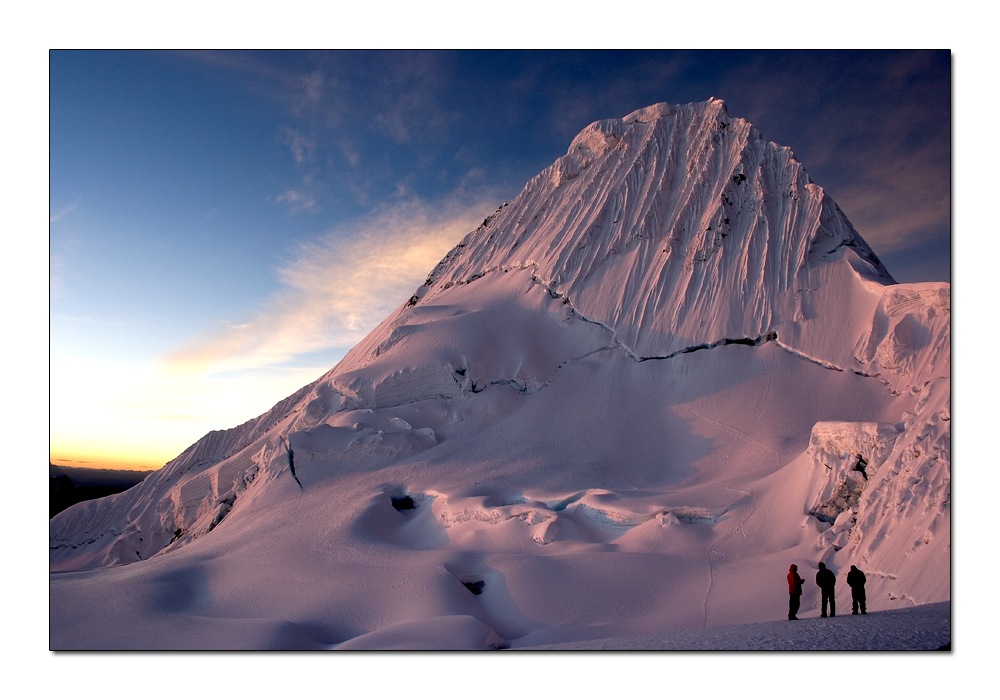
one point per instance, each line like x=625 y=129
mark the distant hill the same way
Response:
x=69 y=485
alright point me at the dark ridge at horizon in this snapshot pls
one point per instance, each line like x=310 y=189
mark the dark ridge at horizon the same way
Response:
x=71 y=485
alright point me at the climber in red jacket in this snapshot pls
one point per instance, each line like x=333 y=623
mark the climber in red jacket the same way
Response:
x=794 y=591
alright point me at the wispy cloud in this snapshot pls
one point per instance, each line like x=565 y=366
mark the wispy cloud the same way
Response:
x=393 y=125
x=312 y=89
x=899 y=202
x=298 y=201
x=336 y=289
x=349 y=152
x=64 y=241
x=303 y=147
x=69 y=208
x=57 y=272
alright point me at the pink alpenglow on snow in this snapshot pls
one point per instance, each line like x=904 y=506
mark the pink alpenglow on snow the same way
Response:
x=621 y=407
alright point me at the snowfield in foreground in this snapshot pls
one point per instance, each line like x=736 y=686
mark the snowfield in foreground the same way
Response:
x=622 y=406
x=924 y=627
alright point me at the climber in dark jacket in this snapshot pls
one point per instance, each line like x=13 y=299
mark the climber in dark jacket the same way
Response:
x=794 y=591
x=856 y=580
x=826 y=582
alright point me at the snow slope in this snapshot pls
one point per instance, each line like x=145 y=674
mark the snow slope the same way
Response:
x=920 y=628
x=622 y=406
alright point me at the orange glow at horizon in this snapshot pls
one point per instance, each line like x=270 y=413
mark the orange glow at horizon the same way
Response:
x=119 y=464
x=87 y=457
x=139 y=418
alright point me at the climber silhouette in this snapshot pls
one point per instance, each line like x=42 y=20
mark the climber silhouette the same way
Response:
x=826 y=581
x=856 y=580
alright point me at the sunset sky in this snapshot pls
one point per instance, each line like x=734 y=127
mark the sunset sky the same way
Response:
x=224 y=226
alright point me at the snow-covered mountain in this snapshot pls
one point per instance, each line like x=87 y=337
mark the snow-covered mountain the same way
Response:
x=623 y=405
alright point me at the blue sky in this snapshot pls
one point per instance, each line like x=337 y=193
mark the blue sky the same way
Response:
x=225 y=225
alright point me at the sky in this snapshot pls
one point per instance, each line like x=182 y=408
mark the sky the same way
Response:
x=225 y=225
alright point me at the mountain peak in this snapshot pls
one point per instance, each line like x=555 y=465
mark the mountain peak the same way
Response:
x=675 y=226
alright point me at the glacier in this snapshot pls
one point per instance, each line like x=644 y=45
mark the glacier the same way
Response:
x=622 y=406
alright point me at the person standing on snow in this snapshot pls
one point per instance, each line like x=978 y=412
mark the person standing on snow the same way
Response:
x=794 y=591
x=856 y=580
x=826 y=582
